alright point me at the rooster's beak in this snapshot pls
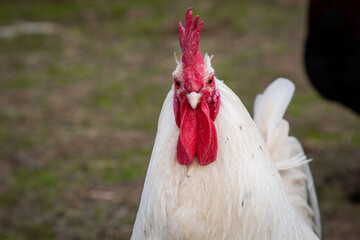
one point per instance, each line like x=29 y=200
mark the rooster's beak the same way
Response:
x=193 y=99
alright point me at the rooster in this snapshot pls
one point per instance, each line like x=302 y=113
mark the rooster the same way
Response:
x=216 y=173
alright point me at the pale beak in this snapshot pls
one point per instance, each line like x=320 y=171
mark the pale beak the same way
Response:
x=194 y=99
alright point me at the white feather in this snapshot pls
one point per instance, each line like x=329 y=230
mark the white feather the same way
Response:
x=239 y=196
x=208 y=69
x=287 y=152
x=312 y=198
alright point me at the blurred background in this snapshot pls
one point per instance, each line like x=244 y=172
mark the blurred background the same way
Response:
x=81 y=87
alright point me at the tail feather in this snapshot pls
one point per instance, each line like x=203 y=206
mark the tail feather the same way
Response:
x=286 y=151
x=270 y=107
x=312 y=198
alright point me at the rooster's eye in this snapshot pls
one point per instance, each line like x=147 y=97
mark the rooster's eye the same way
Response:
x=210 y=81
x=178 y=83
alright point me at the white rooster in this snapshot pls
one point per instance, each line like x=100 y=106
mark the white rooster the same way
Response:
x=216 y=173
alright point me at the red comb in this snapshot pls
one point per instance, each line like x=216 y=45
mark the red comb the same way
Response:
x=190 y=35
x=189 y=42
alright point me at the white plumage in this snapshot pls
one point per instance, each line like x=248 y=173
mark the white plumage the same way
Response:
x=256 y=189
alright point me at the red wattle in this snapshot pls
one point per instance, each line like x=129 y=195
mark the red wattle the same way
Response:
x=197 y=134
x=182 y=156
x=188 y=134
x=207 y=137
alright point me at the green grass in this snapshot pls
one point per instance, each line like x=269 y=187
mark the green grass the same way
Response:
x=18 y=82
x=36 y=179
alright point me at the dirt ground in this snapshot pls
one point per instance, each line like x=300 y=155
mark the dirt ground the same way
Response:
x=81 y=88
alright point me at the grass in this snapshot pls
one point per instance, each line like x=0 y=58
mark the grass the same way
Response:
x=79 y=109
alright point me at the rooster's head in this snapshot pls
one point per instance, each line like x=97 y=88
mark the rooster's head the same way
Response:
x=196 y=99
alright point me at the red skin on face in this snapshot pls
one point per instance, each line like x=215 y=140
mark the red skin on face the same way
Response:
x=197 y=131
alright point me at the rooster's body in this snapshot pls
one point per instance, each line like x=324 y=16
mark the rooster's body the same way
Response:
x=252 y=189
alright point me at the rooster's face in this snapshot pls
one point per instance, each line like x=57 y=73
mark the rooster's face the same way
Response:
x=193 y=87
x=196 y=99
